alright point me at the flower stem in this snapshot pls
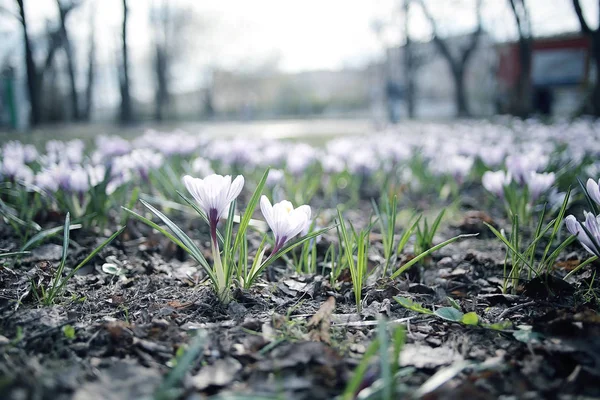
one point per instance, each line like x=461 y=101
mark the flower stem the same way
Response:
x=221 y=285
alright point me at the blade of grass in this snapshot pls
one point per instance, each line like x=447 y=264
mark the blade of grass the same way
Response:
x=88 y=258
x=194 y=251
x=45 y=234
x=428 y=252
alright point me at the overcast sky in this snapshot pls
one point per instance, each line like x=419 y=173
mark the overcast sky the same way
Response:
x=301 y=35
x=290 y=35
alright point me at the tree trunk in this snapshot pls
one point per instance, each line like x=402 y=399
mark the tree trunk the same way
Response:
x=524 y=95
x=595 y=99
x=126 y=114
x=460 y=92
x=409 y=66
x=66 y=43
x=457 y=65
x=33 y=81
x=89 y=90
x=162 y=90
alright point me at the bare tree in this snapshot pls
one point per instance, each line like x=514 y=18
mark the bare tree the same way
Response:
x=593 y=106
x=126 y=112
x=34 y=72
x=64 y=8
x=170 y=22
x=33 y=83
x=458 y=65
x=409 y=64
x=521 y=99
x=91 y=71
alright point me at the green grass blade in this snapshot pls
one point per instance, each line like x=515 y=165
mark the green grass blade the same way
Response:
x=252 y=203
x=45 y=234
x=184 y=364
x=63 y=259
x=583 y=264
x=359 y=373
x=154 y=225
x=511 y=247
x=14 y=253
x=384 y=361
x=194 y=251
x=285 y=249
x=89 y=257
x=428 y=252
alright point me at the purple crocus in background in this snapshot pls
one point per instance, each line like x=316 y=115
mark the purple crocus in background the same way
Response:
x=495 y=182
x=537 y=183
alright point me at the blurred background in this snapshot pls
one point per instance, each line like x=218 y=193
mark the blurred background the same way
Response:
x=107 y=62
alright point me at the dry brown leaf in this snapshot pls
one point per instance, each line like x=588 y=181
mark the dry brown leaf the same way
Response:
x=567 y=265
x=320 y=323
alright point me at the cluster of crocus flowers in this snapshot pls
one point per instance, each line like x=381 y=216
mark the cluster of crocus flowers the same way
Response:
x=214 y=195
x=588 y=231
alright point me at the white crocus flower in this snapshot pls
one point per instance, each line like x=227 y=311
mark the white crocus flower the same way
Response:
x=537 y=183
x=593 y=190
x=214 y=193
x=592 y=227
x=496 y=181
x=285 y=221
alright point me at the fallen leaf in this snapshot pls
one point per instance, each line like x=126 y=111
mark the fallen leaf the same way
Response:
x=176 y=304
x=567 y=265
x=320 y=323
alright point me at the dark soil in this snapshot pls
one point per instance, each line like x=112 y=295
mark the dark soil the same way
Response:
x=129 y=328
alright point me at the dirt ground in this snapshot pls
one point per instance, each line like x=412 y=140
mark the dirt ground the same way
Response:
x=118 y=335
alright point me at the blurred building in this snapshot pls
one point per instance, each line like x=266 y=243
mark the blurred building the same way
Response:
x=559 y=73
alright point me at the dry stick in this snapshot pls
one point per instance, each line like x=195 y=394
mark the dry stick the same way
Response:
x=514 y=308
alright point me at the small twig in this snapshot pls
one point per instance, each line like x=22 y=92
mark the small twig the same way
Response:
x=514 y=308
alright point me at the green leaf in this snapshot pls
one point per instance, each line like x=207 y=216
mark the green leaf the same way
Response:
x=470 y=318
x=411 y=305
x=453 y=303
x=69 y=332
x=499 y=326
x=449 y=314
x=526 y=335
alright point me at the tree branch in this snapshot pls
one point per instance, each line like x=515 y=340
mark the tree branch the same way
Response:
x=585 y=28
